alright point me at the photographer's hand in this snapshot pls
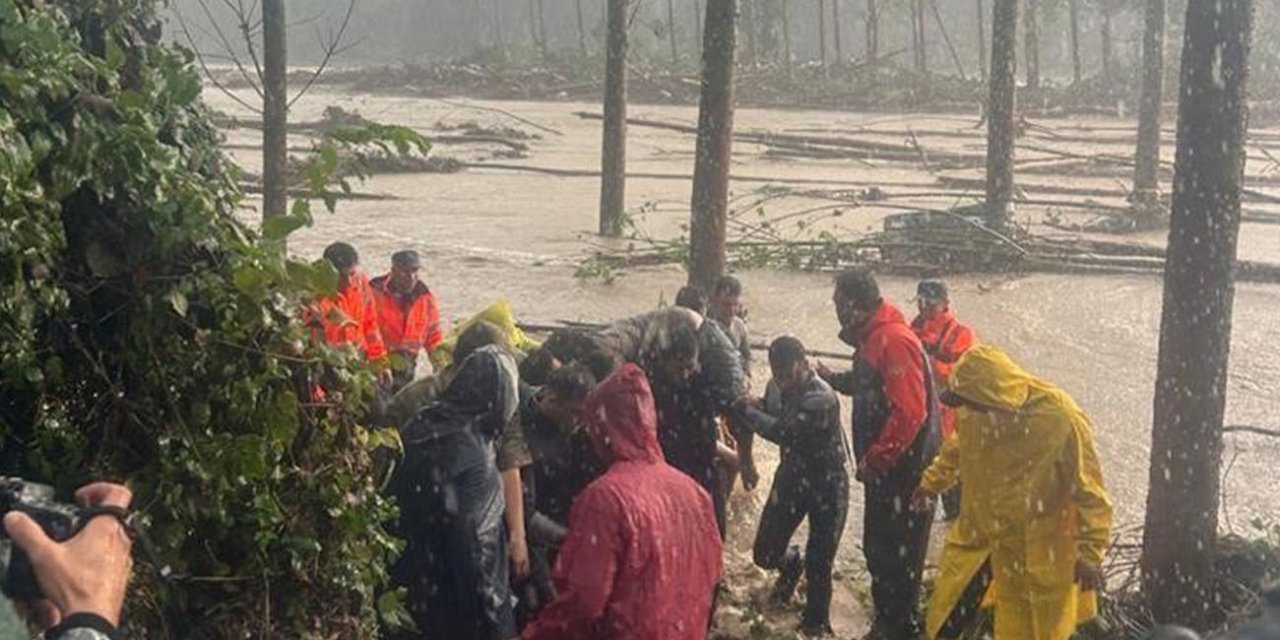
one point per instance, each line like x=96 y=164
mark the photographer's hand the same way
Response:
x=89 y=573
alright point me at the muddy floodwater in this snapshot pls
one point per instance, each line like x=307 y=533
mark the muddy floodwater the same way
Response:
x=488 y=234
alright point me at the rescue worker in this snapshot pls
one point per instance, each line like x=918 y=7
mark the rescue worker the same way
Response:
x=725 y=308
x=695 y=376
x=693 y=299
x=801 y=414
x=408 y=316
x=563 y=465
x=895 y=436
x=643 y=555
x=349 y=316
x=1036 y=518
x=455 y=561
x=945 y=340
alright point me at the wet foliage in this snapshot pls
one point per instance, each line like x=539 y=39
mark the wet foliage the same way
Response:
x=149 y=337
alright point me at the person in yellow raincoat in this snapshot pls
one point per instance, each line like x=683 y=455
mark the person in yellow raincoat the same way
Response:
x=1035 y=520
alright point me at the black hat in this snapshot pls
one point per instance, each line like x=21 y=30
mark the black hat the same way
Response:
x=407 y=260
x=342 y=255
x=932 y=290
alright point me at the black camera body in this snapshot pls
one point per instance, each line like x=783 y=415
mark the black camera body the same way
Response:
x=59 y=520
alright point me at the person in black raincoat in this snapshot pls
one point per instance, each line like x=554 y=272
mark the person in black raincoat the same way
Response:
x=801 y=414
x=455 y=560
x=696 y=374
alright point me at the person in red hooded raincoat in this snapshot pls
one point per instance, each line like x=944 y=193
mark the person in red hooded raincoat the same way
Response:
x=643 y=554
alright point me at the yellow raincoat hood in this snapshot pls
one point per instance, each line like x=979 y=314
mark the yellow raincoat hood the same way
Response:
x=1033 y=502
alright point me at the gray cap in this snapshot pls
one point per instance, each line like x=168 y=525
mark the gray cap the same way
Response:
x=932 y=290
x=407 y=259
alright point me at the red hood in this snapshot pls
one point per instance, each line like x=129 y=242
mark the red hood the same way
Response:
x=884 y=316
x=621 y=420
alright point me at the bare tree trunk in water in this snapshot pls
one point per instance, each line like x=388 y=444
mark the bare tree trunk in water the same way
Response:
x=582 y=31
x=275 y=110
x=1181 y=531
x=1108 y=62
x=822 y=32
x=671 y=32
x=982 y=41
x=710 y=201
x=1146 y=175
x=1000 y=108
x=1076 y=73
x=613 y=163
x=873 y=32
x=835 y=21
x=1031 y=40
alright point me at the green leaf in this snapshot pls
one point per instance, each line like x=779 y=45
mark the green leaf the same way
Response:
x=282 y=419
x=279 y=228
x=393 y=608
x=251 y=280
x=178 y=301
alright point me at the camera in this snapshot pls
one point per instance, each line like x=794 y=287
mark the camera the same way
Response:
x=59 y=520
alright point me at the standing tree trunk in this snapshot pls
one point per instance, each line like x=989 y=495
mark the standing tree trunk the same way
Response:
x=873 y=33
x=822 y=32
x=982 y=41
x=500 y=36
x=1076 y=73
x=770 y=17
x=836 y=28
x=786 y=33
x=1000 y=107
x=671 y=32
x=1108 y=63
x=1031 y=40
x=697 y=25
x=750 y=27
x=613 y=162
x=535 y=33
x=946 y=38
x=542 y=30
x=919 y=42
x=275 y=111
x=582 y=30
x=710 y=201
x=1181 y=531
x=1146 y=175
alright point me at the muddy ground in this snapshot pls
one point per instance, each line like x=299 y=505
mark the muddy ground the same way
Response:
x=517 y=233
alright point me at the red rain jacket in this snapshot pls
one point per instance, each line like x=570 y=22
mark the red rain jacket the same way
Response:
x=945 y=340
x=349 y=317
x=406 y=329
x=643 y=553
x=889 y=346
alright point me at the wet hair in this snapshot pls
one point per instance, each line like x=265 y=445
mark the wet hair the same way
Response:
x=692 y=298
x=570 y=383
x=537 y=367
x=569 y=345
x=477 y=336
x=342 y=256
x=859 y=287
x=681 y=342
x=728 y=286
x=786 y=352
x=600 y=363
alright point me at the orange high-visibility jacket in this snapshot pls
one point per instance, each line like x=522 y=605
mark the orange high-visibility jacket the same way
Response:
x=350 y=317
x=406 y=328
x=945 y=339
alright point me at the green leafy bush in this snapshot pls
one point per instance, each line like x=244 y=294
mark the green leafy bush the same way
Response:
x=148 y=337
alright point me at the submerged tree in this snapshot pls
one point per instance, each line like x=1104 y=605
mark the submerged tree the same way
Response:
x=1180 y=539
x=710 y=200
x=613 y=161
x=1146 y=176
x=1000 y=107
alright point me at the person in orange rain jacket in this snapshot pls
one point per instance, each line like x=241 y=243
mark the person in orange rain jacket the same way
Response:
x=408 y=315
x=945 y=340
x=349 y=316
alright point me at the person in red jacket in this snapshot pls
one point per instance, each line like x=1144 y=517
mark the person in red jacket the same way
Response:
x=408 y=315
x=643 y=553
x=895 y=438
x=945 y=340
x=349 y=316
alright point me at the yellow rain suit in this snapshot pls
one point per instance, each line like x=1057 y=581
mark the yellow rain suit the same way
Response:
x=1033 y=504
x=499 y=314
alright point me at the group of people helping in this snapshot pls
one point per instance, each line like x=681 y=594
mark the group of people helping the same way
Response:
x=576 y=488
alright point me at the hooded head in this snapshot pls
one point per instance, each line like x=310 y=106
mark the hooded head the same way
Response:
x=987 y=377
x=484 y=390
x=621 y=420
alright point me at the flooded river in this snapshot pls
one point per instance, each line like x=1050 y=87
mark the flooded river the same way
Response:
x=486 y=234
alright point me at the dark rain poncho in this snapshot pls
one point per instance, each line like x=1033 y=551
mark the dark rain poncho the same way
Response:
x=450 y=494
